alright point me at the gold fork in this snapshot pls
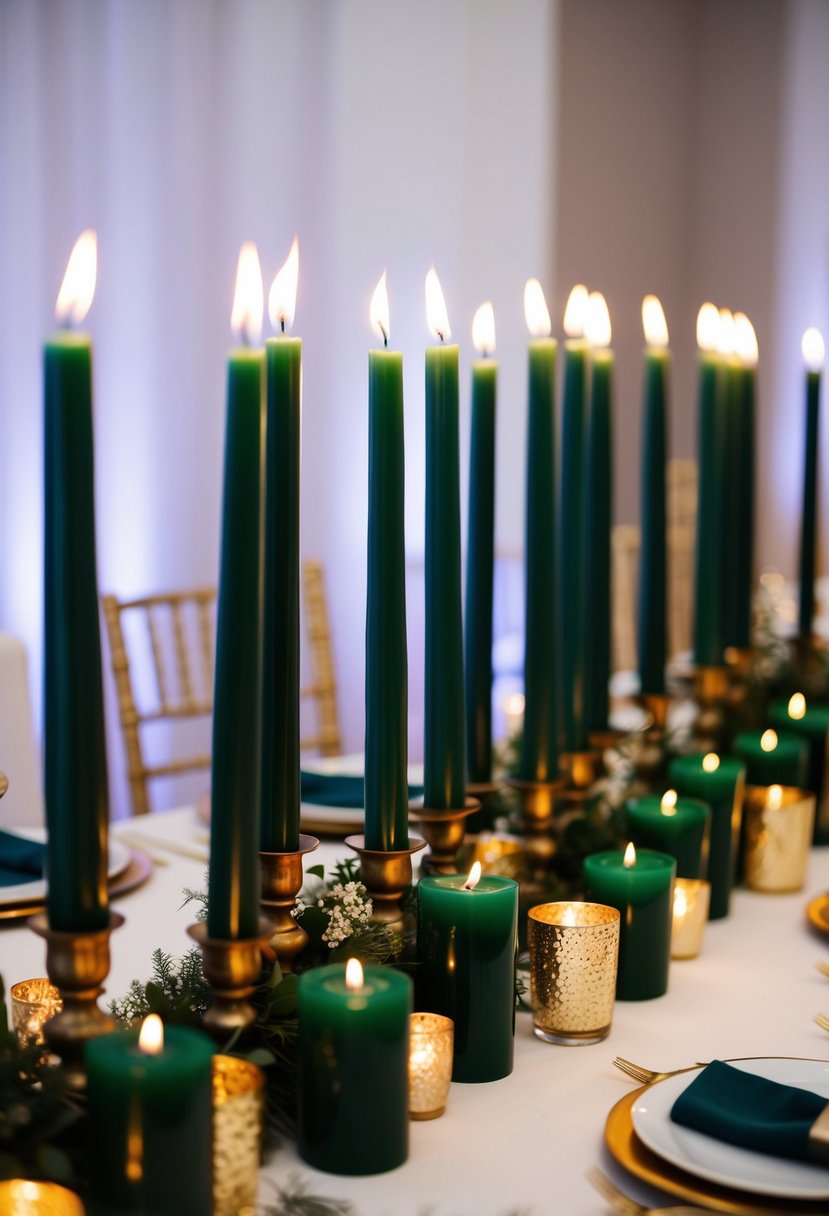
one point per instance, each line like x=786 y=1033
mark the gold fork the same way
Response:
x=823 y=968
x=822 y=1021
x=647 y=1076
x=629 y=1207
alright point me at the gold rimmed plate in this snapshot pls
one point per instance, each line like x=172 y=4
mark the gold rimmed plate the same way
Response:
x=135 y=873
x=817 y=913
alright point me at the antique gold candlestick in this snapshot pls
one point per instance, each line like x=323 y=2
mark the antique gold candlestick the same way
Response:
x=444 y=831
x=282 y=879
x=385 y=876
x=580 y=771
x=647 y=744
x=738 y=660
x=232 y=968
x=539 y=801
x=711 y=692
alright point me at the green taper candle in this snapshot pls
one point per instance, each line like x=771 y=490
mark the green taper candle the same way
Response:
x=444 y=761
x=539 y=741
x=771 y=758
x=480 y=551
x=811 y=723
x=354 y=1068
x=813 y=355
x=741 y=473
x=652 y=604
x=233 y=907
x=639 y=882
x=730 y=403
x=680 y=827
x=708 y=643
x=386 y=788
x=75 y=769
x=279 y=831
x=466 y=943
x=150 y=1105
x=719 y=781
x=599 y=514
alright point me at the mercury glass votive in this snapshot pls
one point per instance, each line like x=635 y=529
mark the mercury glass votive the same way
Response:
x=22 y=1197
x=238 y=1100
x=779 y=825
x=33 y=1003
x=692 y=897
x=574 y=953
x=431 y=1043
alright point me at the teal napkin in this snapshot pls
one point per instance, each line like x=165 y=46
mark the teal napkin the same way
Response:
x=750 y=1111
x=21 y=860
x=324 y=789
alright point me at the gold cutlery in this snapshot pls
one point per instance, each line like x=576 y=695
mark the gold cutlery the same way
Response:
x=823 y=968
x=138 y=840
x=647 y=1076
x=626 y=1206
x=822 y=1021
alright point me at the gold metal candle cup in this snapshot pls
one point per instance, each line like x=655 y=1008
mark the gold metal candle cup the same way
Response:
x=778 y=837
x=232 y=969
x=238 y=1102
x=574 y=953
x=498 y=854
x=692 y=897
x=21 y=1197
x=33 y=1003
x=431 y=1045
x=385 y=876
x=281 y=879
x=444 y=831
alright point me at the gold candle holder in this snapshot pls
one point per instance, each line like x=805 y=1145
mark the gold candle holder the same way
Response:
x=711 y=688
x=4 y=784
x=692 y=897
x=497 y=852
x=238 y=1103
x=77 y=964
x=580 y=771
x=22 y=1197
x=431 y=1047
x=539 y=802
x=574 y=953
x=603 y=741
x=443 y=831
x=282 y=879
x=385 y=875
x=778 y=828
x=33 y=1003
x=232 y=969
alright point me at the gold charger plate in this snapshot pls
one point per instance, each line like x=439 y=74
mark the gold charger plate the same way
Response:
x=137 y=872
x=628 y=1150
x=817 y=913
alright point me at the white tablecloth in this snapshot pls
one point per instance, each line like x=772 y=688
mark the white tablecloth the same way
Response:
x=526 y=1142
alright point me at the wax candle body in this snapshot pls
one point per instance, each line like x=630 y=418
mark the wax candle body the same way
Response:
x=479 y=572
x=784 y=764
x=681 y=831
x=150 y=1119
x=708 y=643
x=643 y=894
x=354 y=1070
x=444 y=762
x=279 y=830
x=814 y=728
x=808 y=526
x=75 y=772
x=539 y=742
x=739 y=557
x=571 y=548
x=597 y=556
x=731 y=458
x=466 y=942
x=652 y=610
x=233 y=909
x=723 y=790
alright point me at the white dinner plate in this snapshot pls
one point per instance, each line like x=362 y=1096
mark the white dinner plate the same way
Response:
x=119 y=859
x=724 y=1163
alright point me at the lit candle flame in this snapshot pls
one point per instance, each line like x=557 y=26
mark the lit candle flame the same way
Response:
x=668 y=803
x=710 y=762
x=78 y=286
x=354 y=975
x=436 y=314
x=597 y=321
x=568 y=916
x=775 y=797
x=725 y=333
x=151 y=1035
x=629 y=859
x=379 y=310
x=745 y=340
x=536 y=312
x=708 y=327
x=474 y=877
x=483 y=329
x=813 y=348
x=249 y=297
x=680 y=902
x=575 y=314
x=797 y=706
x=282 y=295
x=653 y=322
x=768 y=740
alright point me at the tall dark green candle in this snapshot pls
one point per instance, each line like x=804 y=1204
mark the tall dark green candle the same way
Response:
x=732 y=467
x=738 y=633
x=813 y=353
x=597 y=531
x=721 y=783
x=708 y=642
x=652 y=609
x=571 y=577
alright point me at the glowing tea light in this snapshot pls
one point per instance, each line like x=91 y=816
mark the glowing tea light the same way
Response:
x=797 y=706
x=768 y=740
x=774 y=798
x=430 y=1064
x=711 y=762
x=573 y=957
x=668 y=804
x=690 y=914
x=778 y=829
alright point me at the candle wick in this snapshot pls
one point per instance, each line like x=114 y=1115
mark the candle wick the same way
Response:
x=282 y=323
x=382 y=329
x=440 y=335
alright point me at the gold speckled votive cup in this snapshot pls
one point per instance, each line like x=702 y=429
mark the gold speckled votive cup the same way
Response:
x=574 y=953
x=692 y=898
x=778 y=830
x=238 y=1100
x=21 y=1197
x=33 y=1003
x=431 y=1045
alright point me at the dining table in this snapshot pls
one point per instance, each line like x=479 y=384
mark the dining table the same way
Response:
x=523 y=1144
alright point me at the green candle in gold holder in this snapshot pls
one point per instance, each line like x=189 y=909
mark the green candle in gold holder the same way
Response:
x=652 y=609
x=599 y=514
x=708 y=641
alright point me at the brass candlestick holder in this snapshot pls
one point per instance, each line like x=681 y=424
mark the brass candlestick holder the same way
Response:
x=539 y=801
x=647 y=745
x=711 y=690
x=738 y=661
x=232 y=969
x=444 y=831
x=385 y=875
x=77 y=964
x=282 y=879
x=580 y=771
x=603 y=742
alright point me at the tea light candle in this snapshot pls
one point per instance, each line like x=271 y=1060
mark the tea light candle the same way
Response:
x=779 y=821
x=431 y=1041
x=238 y=1103
x=22 y=1197
x=811 y=723
x=719 y=781
x=33 y=1003
x=677 y=826
x=574 y=951
x=770 y=757
x=692 y=897
x=640 y=885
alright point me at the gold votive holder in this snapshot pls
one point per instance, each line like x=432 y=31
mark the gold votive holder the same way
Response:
x=431 y=1046
x=23 y=1197
x=778 y=827
x=692 y=897
x=33 y=1003
x=574 y=954
x=238 y=1104
x=498 y=853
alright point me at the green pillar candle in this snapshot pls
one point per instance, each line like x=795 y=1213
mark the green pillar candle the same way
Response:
x=813 y=354
x=571 y=576
x=386 y=788
x=77 y=811
x=811 y=723
x=680 y=827
x=444 y=762
x=772 y=759
x=279 y=826
x=599 y=516
x=539 y=741
x=150 y=1121
x=721 y=783
x=480 y=552
x=354 y=1068
x=466 y=944
x=652 y=602
x=708 y=644
x=640 y=884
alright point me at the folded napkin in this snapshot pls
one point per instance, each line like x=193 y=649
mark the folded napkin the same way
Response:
x=756 y=1113
x=324 y=789
x=21 y=860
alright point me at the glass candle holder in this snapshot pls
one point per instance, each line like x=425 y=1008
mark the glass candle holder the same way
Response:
x=33 y=1003
x=778 y=834
x=431 y=1042
x=498 y=853
x=21 y=1197
x=238 y=1101
x=692 y=897
x=574 y=953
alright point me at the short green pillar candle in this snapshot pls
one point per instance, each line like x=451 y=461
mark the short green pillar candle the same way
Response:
x=771 y=758
x=811 y=723
x=354 y=1068
x=640 y=884
x=466 y=942
x=721 y=783
x=680 y=827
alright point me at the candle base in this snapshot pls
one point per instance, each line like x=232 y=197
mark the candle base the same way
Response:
x=282 y=878
x=77 y=964
x=444 y=831
x=711 y=689
x=232 y=969
x=385 y=875
x=580 y=771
